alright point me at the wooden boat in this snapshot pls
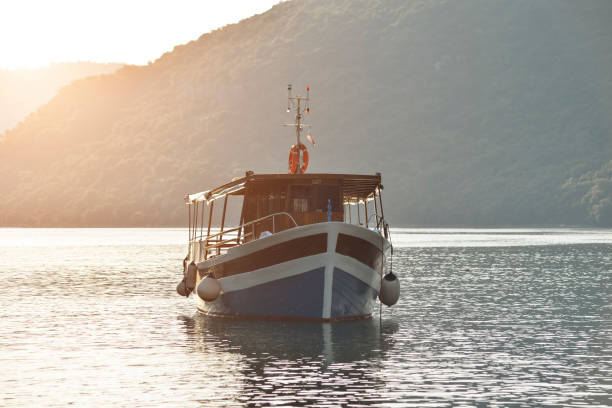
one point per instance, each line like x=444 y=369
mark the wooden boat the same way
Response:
x=306 y=246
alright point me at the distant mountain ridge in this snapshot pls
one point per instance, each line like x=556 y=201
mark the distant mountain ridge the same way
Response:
x=475 y=112
x=23 y=90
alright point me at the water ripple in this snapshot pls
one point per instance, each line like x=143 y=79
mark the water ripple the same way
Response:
x=476 y=326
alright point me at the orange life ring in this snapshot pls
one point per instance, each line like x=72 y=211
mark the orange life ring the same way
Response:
x=294 y=158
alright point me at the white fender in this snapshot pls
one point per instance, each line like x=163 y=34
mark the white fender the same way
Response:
x=209 y=289
x=181 y=288
x=190 y=276
x=389 y=289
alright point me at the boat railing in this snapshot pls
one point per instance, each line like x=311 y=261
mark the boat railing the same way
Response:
x=375 y=217
x=237 y=233
x=381 y=226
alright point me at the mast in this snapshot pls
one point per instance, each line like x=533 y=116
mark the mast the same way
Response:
x=297 y=102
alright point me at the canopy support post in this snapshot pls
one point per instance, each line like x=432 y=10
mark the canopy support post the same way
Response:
x=241 y=221
x=202 y=224
x=375 y=209
x=222 y=223
x=195 y=218
x=382 y=213
x=189 y=230
x=210 y=213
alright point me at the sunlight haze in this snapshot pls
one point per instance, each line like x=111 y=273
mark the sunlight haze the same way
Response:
x=36 y=33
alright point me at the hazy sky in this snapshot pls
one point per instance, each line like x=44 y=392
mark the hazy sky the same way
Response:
x=38 y=32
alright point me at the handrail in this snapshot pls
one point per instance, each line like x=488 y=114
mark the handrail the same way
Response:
x=377 y=218
x=295 y=224
x=380 y=222
x=220 y=243
x=209 y=237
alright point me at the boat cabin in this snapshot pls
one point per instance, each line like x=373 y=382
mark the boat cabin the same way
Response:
x=271 y=203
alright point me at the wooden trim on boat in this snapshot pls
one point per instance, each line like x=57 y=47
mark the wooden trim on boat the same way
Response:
x=359 y=249
x=272 y=255
x=356 y=184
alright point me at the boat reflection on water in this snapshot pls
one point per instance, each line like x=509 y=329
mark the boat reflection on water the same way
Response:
x=295 y=363
x=343 y=342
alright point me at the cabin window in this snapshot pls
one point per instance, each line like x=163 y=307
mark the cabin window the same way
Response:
x=272 y=202
x=325 y=193
x=300 y=204
x=276 y=202
x=261 y=202
x=262 y=206
x=300 y=198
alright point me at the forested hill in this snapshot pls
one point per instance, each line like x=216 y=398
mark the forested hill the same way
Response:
x=23 y=90
x=475 y=112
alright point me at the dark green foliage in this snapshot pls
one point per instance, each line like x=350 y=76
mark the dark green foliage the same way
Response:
x=475 y=112
x=592 y=192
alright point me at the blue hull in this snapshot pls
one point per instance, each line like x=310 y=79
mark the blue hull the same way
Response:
x=327 y=271
x=350 y=296
x=299 y=297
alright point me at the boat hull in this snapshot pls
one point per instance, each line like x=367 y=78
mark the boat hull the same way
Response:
x=319 y=272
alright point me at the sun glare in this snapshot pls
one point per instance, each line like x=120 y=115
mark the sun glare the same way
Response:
x=38 y=32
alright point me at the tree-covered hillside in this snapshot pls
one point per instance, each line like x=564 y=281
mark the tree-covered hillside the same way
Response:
x=23 y=90
x=476 y=112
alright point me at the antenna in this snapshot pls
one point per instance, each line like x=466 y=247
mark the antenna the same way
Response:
x=300 y=162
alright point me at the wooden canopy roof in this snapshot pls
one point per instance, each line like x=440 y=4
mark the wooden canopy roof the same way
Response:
x=355 y=187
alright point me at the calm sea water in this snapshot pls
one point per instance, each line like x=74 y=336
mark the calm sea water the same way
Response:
x=515 y=317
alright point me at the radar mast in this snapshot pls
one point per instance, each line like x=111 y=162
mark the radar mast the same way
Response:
x=298 y=155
